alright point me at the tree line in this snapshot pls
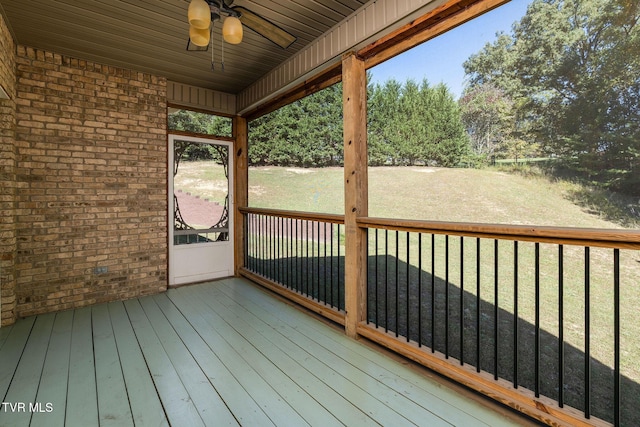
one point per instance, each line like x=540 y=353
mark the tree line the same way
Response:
x=407 y=124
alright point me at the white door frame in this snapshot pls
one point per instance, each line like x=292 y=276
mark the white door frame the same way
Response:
x=197 y=262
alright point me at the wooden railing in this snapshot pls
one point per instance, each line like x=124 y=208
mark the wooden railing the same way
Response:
x=534 y=317
x=528 y=315
x=298 y=255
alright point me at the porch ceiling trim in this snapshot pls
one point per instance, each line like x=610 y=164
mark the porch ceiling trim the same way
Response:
x=442 y=16
x=369 y=23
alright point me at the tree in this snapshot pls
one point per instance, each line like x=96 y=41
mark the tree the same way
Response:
x=407 y=124
x=411 y=123
x=305 y=133
x=488 y=116
x=206 y=124
x=382 y=103
x=573 y=69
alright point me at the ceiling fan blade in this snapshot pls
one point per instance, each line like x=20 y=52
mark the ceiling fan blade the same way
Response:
x=265 y=28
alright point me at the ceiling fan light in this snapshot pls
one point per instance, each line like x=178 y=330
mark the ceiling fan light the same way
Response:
x=199 y=36
x=199 y=14
x=232 y=30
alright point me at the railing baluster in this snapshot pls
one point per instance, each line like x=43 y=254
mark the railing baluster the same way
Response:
x=318 y=261
x=245 y=242
x=515 y=314
x=495 y=308
x=375 y=296
x=537 y=322
x=324 y=262
x=461 y=300
x=369 y=285
x=281 y=252
x=290 y=256
x=340 y=276
x=272 y=248
x=433 y=293
x=255 y=220
x=561 y=326
x=263 y=232
x=478 y=282
x=407 y=291
x=386 y=280
x=587 y=332
x=297 y=260
x=616 y=337
x=446 y=296
x=420 y=290
x=331 y=267
x=397 y=284
x=314 y=259
x=278 y=239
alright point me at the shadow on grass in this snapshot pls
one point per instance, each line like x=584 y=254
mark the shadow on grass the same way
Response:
x=613 y=207
x=437 y=318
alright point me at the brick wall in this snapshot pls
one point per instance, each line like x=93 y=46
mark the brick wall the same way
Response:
x=7 y=178
x=92 y=182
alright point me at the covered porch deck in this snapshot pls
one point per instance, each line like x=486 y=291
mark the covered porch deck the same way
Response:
x=220 y=353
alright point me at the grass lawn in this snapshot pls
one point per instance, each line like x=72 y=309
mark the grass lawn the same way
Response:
x=489 y=196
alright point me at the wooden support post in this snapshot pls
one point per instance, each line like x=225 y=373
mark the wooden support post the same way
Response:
x=354 y=98
x=240 y=187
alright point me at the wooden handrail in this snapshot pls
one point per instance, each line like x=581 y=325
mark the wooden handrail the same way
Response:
x=595 y=237
x=333 y=218
x=607 y=238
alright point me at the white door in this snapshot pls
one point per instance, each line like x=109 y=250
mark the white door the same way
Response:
x=200 y=210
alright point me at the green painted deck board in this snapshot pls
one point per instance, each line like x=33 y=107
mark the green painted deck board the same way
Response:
x=82 y=398
x=12 y=352
x=52 y=392
x=278 y=411
x=25 y=382
x=113 y=403
x=175 y=399
x=455 y=408
x=146 y=407
x=246 y=410
x=277 y=369
x=4 y=333
x=348 y=379
x=210 y=406
x=221 y=353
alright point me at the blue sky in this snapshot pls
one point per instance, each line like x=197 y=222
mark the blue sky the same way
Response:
x=440 y=59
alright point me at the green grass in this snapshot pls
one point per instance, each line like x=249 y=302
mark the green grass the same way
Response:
x=439 y=194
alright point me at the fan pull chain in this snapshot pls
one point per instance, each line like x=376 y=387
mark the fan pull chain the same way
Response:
x=213 y=64
x=222 y=48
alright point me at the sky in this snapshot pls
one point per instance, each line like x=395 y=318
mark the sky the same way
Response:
x=440 y=59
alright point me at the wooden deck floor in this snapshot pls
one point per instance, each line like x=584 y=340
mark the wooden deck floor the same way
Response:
x=222 y=353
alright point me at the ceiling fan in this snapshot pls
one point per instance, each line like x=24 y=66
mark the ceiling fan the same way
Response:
x=203 y=13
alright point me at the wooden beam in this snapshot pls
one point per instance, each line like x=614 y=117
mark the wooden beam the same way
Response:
x=598 y=237
x=315 y=84
x=354 y=99
x=443 y=18
x=240 y=187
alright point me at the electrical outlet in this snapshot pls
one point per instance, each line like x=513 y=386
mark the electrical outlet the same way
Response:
x=101 y=270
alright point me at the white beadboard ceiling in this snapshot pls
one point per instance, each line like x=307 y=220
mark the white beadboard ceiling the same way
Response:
x=151 y=35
